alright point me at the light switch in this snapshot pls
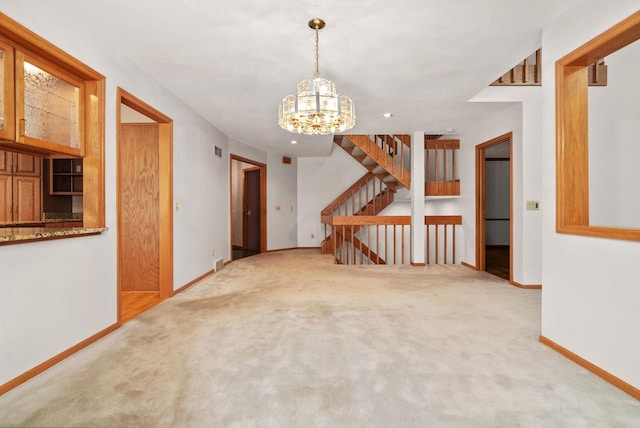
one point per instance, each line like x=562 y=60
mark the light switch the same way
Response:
x=277 y=207
x=533 y=205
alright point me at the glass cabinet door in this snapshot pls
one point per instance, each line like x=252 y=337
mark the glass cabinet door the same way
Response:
x=7 y=118
x=48 y=107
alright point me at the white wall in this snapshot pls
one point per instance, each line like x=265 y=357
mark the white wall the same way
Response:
x=282 y=188
x=320 y=181
x=55 y=294
x=524 y=121
x=614 y=134
x=590 y=289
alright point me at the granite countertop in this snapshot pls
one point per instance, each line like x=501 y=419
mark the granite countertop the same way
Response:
x=26 y=234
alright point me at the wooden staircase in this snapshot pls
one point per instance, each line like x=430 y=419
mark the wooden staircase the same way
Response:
x=385 y=156
x=368 y=196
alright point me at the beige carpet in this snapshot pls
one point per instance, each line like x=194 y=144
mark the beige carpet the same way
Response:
x=288 y=339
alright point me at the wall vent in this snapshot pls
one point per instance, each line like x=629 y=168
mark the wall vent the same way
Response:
x=218 y=264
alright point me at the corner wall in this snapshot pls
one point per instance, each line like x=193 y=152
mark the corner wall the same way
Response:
x=590 y=295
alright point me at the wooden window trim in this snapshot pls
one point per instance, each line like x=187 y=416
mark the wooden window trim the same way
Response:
x=25 y=40
x=572 y=137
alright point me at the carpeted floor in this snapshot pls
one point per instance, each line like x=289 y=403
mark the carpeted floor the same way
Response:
x=288 y=339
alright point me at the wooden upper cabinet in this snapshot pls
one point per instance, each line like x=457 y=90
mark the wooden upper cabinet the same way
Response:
x=7 y=118
x=48 y=107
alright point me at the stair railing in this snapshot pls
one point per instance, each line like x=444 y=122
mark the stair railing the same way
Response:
x=387 y=239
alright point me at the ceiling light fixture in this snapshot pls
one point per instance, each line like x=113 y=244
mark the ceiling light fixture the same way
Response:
x=387 y=115
x=317 y=108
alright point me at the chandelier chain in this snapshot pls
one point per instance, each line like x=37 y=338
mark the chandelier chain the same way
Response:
x=317 y=72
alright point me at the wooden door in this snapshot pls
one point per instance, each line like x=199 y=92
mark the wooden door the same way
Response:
x=27 y=199
x=139 y=253
x=251 y=189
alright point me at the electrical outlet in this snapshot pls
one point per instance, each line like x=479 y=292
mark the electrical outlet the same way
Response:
x=177 y=206
x=313 y=236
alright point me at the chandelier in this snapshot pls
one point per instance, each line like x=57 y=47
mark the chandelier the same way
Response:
x=317 y=108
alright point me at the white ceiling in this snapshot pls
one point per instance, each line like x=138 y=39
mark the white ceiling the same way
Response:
x=234 y=60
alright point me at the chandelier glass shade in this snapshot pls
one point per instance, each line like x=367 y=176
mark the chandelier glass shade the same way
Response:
x=316 y=109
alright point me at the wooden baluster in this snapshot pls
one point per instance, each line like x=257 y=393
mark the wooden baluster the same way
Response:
x=428 y=246
x=445 y=243
x=336 y=244
x=386 y=242
x=369 y=244
x=395 y=251
x=426 y=169
x=437 y=245
x=402 y=242
x=525 y=70
x=444 y=153
x=375 y=196
x=353 y=244
x=437 y=176
x=453 y=168
x=378 y=241
x=453 y=246
x=361 y=253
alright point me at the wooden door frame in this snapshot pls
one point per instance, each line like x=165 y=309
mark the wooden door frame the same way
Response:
x=480 y=200
x=165 y=185
x=263 y=202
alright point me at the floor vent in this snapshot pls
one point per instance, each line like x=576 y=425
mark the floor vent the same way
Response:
x=218 y=264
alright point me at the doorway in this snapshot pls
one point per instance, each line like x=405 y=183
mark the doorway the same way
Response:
x=248 y=207
x=144 y=206
x=494 y=212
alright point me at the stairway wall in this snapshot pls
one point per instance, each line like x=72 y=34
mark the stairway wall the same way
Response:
x=320 y=181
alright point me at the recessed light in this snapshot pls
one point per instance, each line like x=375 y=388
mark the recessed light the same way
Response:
x=294 y=142
x=450 y=130
x=387 y=115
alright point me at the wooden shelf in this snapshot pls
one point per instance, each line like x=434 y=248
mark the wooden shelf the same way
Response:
x=66 y=177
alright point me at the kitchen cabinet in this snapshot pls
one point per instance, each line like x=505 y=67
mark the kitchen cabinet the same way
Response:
x=20 y=187
x=7 y=118
x=41 y=106
x=65 y=177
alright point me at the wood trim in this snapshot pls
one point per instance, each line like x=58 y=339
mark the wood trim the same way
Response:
x=418 y=264
x=603 y=374
x=572 y=121
x=193 y=282
x=165 y=197
x=526 y=287
x=29 y=374
x=480 y=201
x=465 y=264
x=9 y=131
x=287 y=249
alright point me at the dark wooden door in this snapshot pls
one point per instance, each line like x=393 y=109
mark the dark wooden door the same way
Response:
x=139 y=252
x=251 y=198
